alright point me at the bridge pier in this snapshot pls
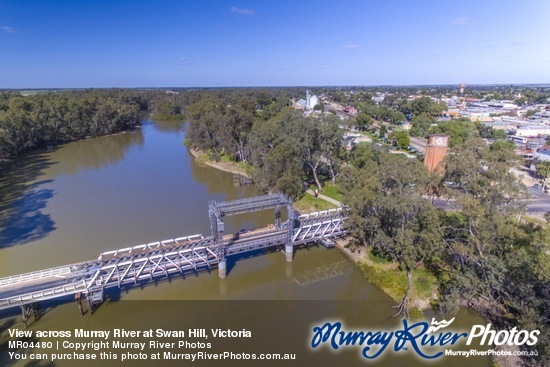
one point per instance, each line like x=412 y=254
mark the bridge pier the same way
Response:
x=30 y=310
x=162 y=258
x=289 y=252
x=222 y=269
x=94 y=298
x=78 y=300
x=25 y=316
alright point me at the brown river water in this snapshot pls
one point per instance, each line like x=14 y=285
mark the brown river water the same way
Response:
x=77 y=200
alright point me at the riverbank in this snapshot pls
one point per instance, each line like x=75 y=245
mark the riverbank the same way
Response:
x=55 y=145
x=222 y=165
x=391 y=280
x=308 y=203
x=378 y=271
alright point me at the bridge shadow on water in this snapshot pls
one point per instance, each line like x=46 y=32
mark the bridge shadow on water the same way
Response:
x=115 y=294
x=22 y=200
x=233 y=259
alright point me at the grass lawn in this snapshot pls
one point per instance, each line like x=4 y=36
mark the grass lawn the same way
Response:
x=528 y=219
x=225 y=159
x=387 y=276
x=391 y=281
x=307 y=203
x=332 y=192
x=377 y=259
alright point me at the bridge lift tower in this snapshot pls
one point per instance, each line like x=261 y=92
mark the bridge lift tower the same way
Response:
x=216 y=212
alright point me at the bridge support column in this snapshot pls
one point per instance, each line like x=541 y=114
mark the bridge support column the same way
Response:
x=289 y=252
x=222 y=269
x=25 y=315
x=78 y=299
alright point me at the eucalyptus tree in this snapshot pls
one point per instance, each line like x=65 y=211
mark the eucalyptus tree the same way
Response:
x=388 y=213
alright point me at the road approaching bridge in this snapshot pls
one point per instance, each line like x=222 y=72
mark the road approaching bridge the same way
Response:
x=138 y=264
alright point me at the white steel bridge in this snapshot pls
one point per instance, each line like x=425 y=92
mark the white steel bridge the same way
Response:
x=146 y=262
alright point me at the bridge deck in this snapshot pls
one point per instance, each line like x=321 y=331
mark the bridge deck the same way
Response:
x=146 y=262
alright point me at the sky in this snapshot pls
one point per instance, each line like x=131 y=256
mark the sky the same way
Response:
x=219 y=43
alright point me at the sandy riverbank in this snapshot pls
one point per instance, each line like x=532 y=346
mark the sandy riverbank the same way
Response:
x=230 y=167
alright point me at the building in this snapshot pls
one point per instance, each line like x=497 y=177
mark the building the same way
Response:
x=301 y=103
x=436 y=150
x=543 y=155
x=311 y=100
x=531 y=130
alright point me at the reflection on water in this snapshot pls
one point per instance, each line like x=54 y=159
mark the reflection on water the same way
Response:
x=22 y=200
x=94 y=153
x=169 y=126
x=26 y=183
x=90 y=196
x=24 y=221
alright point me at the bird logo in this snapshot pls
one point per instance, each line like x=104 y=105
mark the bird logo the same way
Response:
x=439 y=325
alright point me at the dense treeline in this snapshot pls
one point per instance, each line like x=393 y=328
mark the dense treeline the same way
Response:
x=28 y=122
x=283 y=147
x=519 y=94
x=51 y=118
x=483 y=255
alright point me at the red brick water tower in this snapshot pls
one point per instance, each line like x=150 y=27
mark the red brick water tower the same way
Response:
x=436 y=150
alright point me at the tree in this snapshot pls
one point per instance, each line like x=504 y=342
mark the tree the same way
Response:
x=383 y=131
x=396 y=117
x=543 y=170
x=488 y=194
x=425 y=105
x=362 y=154
x=403 y=139
x=363 y=121
x=501 y=144
x=459 y=130
x=421 y=125
x=387 y=212
x=49 y=118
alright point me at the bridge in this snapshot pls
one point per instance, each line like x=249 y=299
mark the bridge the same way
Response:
x=142 y=263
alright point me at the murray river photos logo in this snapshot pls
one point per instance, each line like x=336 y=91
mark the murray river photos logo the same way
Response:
x=428 y=341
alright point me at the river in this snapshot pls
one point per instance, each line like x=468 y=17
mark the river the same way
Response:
x=77 y=200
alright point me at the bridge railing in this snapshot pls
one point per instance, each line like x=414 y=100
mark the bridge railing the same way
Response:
x=320 y=213
x=43 y=295
x=152 y=246
x=35 y=275
x=155 y=259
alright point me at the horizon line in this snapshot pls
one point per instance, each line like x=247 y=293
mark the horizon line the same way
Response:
x=284 y=86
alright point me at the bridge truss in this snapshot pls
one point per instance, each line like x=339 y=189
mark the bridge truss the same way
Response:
x=135 y=265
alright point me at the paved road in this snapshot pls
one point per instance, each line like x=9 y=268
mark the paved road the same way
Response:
x=30 y=287
x=537 y=205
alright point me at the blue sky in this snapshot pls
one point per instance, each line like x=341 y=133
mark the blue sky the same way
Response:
x=135 y=43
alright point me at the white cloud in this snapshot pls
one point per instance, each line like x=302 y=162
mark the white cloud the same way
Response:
x=234 y=9
x=460 y=21
x=353 y=45
x=184 y=61
x=7 y=29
